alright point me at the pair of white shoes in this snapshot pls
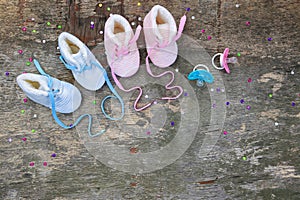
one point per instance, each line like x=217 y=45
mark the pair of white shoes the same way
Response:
x=64 y=97
x=123 y=56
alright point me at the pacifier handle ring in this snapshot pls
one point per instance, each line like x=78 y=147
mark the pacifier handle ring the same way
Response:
x=200 y=65
x=213 y=61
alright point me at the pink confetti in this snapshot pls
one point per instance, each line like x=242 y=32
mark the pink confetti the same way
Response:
x=31 y=164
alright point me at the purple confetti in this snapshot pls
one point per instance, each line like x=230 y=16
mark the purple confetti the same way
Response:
x=172 y=123
x=188 y=9
x=7 y=73
x=242 y=101
x=227 y=103
x=270 y=39
x=248 y=107
x=293 y=104
x=53 y=155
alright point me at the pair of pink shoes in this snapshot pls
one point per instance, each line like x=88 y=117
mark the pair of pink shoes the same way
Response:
x=123 y=56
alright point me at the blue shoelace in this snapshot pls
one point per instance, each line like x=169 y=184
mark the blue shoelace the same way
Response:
x=52 y=101
x=112 y=89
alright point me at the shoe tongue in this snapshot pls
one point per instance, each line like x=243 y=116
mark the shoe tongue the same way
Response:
x=80 y=60
x=43 y=84
x=164 y=31
x=122 y=39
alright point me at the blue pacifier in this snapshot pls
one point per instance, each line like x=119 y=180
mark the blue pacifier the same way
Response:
x=201 y=75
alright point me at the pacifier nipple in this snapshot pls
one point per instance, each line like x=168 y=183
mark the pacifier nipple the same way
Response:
x=200 y=83
x=232 y=60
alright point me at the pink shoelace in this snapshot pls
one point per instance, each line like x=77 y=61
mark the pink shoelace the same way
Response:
x=125 y=51
x=165 y=44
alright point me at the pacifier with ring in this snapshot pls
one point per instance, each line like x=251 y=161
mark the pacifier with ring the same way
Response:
x=201 y=75
x=224 y=60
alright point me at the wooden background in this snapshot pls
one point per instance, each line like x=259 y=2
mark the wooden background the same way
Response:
x=272 y=167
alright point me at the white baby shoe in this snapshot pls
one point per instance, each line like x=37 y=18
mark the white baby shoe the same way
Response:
x=67 y=97
x=57 y=95
x=77 y=57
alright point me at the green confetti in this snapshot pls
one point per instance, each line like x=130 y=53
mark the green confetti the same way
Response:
x=22 y=111
x=48 y=23
x=94 y=102
x=270 y=95
x=244 y=158
x=108 y=9
x=34 y=31
x=59 y=26
x=32 y=131
x=28 y=63
x=238 y=54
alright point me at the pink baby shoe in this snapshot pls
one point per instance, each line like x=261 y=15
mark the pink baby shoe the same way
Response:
x=121 y=47
x=122 y=53
x=161 y=35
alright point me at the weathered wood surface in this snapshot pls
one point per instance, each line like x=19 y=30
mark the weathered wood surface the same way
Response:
x=272 y=168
